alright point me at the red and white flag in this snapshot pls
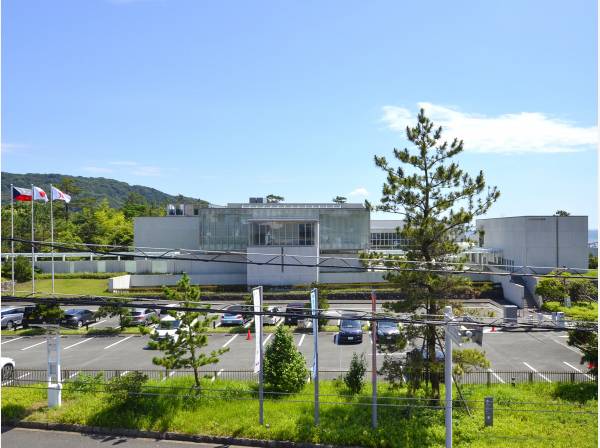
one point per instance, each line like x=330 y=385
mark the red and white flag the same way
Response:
x=39 y=194
x=58 y=195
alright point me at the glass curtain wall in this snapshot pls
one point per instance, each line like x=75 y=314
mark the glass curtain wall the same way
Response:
x=282 y=234
x=344 y=229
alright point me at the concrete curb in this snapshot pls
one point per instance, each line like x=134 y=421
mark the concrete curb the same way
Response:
x=180 y=437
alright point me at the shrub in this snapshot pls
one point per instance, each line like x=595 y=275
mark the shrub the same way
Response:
x=22 y=269
x=86 y=383
x=551 y=289
x=581 y=289
x=126 y=388
x=284 y=367
x=355 y=378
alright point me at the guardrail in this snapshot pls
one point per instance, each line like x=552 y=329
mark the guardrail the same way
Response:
x=22 y=377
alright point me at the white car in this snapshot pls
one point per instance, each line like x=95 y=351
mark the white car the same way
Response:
x=8 y=367
x=272 y=320
x=167 y=327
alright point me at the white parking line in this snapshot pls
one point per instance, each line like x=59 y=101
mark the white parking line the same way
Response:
x=247 y=324
x=77 y=343
x=97 y=323
x=279 y=322
x=576 y=369
x=118 y=342
x=267 y=338
x=73 y=374
x=528 y=366
x=11 y=340
x=125 y=372
x=169 y=375
x=566 y=346
x=496 y=376
x=301 y=340
x=34 y=345
x=230 y=341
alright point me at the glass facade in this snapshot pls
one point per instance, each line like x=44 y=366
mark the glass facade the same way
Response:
x=234 y=228
x=278 y=233
x=387 y=240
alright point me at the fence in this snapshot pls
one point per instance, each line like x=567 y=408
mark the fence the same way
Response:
x=22 y=377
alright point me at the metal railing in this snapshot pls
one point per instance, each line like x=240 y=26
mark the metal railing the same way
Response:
x=21 y=377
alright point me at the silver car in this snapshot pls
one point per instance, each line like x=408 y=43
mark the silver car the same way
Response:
x=12 y=317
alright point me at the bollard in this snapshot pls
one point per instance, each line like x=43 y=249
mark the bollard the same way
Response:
x=489 y=379
x=488 y=416
x=572 y=377
x=513 y=381
x=530 y=377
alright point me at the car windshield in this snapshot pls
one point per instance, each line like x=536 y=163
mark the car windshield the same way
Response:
x=231 y=314
x=386 y=324
x=354 y=324
x=137 y=313
x=169 y=324
x=72 y=312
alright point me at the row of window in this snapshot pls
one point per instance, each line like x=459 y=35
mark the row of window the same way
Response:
x=387 y=240
x=282 y=234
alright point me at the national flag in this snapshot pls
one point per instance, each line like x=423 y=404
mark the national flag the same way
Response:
x=39 y=194
x=21 y=194
x=58 y=195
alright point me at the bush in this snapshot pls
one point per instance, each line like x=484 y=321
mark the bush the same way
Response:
x=551 y=289
x=22 y=269
x=126 y=388
x=581 y=289
x=355 y=378
x=86 y=383
x=284 y=367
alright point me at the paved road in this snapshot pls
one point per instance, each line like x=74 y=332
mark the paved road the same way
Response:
x=507 y=351
x=27 y=438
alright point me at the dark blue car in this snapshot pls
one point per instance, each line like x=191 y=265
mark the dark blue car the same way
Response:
x=350 y=331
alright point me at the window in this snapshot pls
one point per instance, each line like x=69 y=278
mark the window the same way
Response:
x=282 y=234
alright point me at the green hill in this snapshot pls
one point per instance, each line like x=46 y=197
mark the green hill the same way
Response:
x=91 y=187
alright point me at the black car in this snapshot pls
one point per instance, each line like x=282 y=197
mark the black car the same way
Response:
x=77 y=318
x=387 y=331
x=350 y=331
x=298 y=310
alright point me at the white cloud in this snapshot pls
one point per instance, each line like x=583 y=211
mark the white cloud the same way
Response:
x=359 y=192
x=123 y=163
x=97 y=169
x=10 y=148
x=520 y=132
x=146 y=171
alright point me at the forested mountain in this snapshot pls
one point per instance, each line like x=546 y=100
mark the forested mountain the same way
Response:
x=98 y=188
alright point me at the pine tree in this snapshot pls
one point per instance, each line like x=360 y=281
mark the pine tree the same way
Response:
x=437 y=201
x=284 y=366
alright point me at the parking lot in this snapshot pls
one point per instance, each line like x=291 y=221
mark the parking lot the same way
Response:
x=534 y=351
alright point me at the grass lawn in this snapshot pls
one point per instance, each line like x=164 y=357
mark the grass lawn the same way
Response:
x=72 y=331
x=81 y=286
x=231 y=408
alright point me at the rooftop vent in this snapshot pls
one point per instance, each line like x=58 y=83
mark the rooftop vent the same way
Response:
x=256 y=200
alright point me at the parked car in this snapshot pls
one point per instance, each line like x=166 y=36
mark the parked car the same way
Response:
x=350 y=331
x=167 y=327
x=30 y=317
x=77 y=317
x=236 y=315
x=8 y=368
x=12 y=317
x=142 y=316
x=387 y=331
x=297 y=310
x=272 y=320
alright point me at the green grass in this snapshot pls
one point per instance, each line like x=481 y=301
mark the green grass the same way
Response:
x=80 y=286
x=578 y=310
x=72 y=331
x=231 y=408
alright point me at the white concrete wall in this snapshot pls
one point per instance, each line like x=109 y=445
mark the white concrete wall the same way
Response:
x=196 y=279
x=120 y=282
x=532 y=240
x=512 y=292
x=351 y=277
x=278 y=275
x=531 y=283
x=178 y=232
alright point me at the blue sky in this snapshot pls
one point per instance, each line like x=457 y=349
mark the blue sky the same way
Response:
x=230 y=99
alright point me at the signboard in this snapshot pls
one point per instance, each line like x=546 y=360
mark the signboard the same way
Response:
x=313 y=308
x=257 y=302
x=488 y=408
x=454 y=333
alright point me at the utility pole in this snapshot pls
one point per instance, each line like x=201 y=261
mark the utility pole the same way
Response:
x=448 y=316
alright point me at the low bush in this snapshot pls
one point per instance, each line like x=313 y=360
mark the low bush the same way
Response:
x=355 y=378
x=126 y=388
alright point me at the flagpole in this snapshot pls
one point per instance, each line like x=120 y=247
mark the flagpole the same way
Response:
x=32 y=246
x=12 y=239
x=52 y=232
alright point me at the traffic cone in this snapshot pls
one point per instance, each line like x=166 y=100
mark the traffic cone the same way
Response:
x=493 y=329
x=249 y=337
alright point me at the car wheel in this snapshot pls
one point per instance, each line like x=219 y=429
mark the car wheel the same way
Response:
x=7 y=372
x=10 y=325
x=79 y=324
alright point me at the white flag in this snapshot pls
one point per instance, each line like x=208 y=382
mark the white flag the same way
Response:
x=40 y=194
x=58 y=195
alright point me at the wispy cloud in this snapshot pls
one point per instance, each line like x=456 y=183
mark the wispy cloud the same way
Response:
x=359 y=192
x=97 y=169
x=10 y=148
x=520 y=132
x=119 y=166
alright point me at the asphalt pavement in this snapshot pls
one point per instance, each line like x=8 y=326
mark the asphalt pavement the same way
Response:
x=28 y=438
